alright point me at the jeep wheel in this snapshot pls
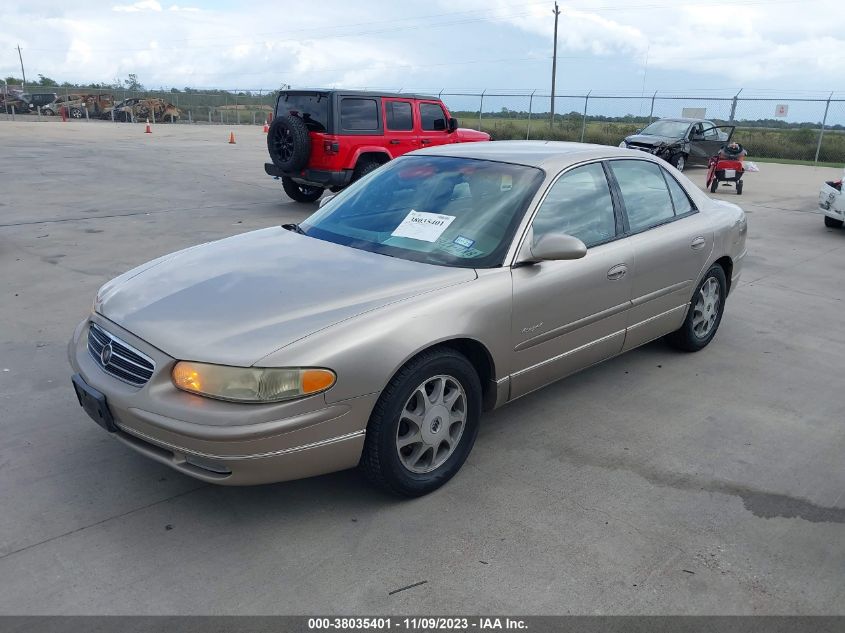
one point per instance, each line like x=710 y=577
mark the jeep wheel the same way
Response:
x=289 y=143
x=301 y=193
x=363 y=168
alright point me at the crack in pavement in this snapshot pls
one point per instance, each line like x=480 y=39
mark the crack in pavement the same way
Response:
x=102 y=521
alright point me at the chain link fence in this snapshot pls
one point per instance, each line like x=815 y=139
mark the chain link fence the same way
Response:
x=769 y=126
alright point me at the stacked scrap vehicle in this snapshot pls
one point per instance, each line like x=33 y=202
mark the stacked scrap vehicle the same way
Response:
x=77 y=104
x=136 y=109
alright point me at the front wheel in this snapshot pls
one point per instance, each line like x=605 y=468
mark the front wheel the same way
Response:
x=301 y=193
x=678 y=161
x=704 y=313
x=424 y=424
x=832 y=223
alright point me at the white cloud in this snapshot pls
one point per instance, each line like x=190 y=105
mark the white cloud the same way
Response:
x=143 y=5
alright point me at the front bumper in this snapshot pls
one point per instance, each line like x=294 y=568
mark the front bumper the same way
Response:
x=313 y=177
x=224 y=442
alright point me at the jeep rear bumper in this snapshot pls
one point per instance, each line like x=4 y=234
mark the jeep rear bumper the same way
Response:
x=313 y=177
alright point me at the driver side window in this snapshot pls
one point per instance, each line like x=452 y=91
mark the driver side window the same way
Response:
x=578 y=204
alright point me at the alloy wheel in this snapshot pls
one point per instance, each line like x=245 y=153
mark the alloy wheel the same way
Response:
x=706 y=309
x=431 y=424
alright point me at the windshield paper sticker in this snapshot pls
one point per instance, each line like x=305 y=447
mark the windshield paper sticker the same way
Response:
x=463 y=241
x=420 y=225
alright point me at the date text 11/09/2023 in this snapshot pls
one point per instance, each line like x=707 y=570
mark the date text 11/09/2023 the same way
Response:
x=417 y=623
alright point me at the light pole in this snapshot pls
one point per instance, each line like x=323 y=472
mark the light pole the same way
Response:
x=556 y=11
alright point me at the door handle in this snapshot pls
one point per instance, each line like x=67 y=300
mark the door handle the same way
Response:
x=617 y=272
x=394 y=141
x=698 y=243
x=425 y=141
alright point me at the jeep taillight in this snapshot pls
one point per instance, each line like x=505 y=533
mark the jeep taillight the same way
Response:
x=331 y=147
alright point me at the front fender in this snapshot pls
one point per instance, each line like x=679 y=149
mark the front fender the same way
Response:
x=367 y=350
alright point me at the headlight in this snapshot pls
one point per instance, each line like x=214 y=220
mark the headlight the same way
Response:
x=250 y=384
x=623 y=144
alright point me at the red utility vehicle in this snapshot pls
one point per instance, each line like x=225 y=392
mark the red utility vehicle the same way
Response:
x=327 y=139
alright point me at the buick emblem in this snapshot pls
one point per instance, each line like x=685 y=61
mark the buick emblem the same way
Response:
x=105 y=355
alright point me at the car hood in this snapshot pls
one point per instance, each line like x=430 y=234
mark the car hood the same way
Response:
x=649 y=139
x=234 y=301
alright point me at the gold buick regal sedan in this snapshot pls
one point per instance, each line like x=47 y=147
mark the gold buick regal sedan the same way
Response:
x=448 y=282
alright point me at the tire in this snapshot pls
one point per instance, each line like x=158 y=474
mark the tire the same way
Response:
x=47 y=112
x=301 y=193
x=678 y=161
x=363 y=168
x=739 y=187
x=289 y=143
x=76 y=113
x=692 y=336
x=832 y=223
x=714 y=185
x=418 y=468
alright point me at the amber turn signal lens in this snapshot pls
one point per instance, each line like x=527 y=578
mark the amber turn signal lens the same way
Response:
x=186 y=376
x=314 y=380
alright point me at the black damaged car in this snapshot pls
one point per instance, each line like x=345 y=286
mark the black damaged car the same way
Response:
x=681 y=142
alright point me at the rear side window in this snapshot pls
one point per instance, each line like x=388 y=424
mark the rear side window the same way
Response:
x=578 y=204
x=358 y=114
x=644 y=192
x=399 y=116
x=313 y=109
x=680 y=199
x=432 y=117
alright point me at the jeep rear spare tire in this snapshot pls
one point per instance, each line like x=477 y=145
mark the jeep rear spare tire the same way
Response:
x=289 y=143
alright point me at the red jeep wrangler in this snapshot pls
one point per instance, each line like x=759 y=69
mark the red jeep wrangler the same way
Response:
x=323 y=139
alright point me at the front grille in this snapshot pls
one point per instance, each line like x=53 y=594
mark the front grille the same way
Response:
x=124 y=362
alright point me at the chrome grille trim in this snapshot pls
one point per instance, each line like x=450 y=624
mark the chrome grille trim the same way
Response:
x=127 y=364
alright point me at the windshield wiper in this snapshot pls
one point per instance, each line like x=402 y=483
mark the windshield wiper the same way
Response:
x=294 y=227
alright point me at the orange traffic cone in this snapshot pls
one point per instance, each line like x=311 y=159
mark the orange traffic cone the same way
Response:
x=231 y=138
x=266 y=127
x=149 y=129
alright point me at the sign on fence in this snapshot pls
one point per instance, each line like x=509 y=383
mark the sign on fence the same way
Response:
x=781 y=109
x=694 y=113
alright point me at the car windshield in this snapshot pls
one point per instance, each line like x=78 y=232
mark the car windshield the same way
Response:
x=672 y=129
x=440 y=210
x=311 y=108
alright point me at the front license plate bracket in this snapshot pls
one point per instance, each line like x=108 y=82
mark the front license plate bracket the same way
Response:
x=94 y=403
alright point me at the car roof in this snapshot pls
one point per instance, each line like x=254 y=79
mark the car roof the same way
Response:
x=543 y=154
x=685 y=120
x=361 y=93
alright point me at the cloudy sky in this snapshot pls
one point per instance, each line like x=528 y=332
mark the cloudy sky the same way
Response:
x=631 y=46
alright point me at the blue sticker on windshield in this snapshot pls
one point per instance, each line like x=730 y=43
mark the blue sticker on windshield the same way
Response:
x=463 y=241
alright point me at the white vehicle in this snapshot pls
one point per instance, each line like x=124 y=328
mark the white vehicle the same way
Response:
x=832 y=203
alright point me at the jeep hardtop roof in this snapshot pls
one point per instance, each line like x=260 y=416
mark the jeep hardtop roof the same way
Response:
x=359 y=93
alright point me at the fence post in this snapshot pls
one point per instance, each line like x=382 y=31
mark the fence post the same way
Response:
x=13 y=113
x=190 y=120
x=733 y=105
x=530 y=107
x=651 y=112
x=481 y=108
x=821 y=132
x=584 y=119
x=209 y=115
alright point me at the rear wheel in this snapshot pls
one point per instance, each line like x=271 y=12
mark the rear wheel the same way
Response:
x=739 y=187
x=704 y=313
x=299 y=192
x=833 y=223
x=424 y=424
x=76 y=113
x=363 y=168
x=714 y=185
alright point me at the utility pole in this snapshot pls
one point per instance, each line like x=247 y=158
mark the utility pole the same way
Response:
x=23 y=87
x=554 y=67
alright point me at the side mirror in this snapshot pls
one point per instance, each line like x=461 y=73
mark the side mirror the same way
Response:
x=324 y=201
x=453 y=124
x=551 y=247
